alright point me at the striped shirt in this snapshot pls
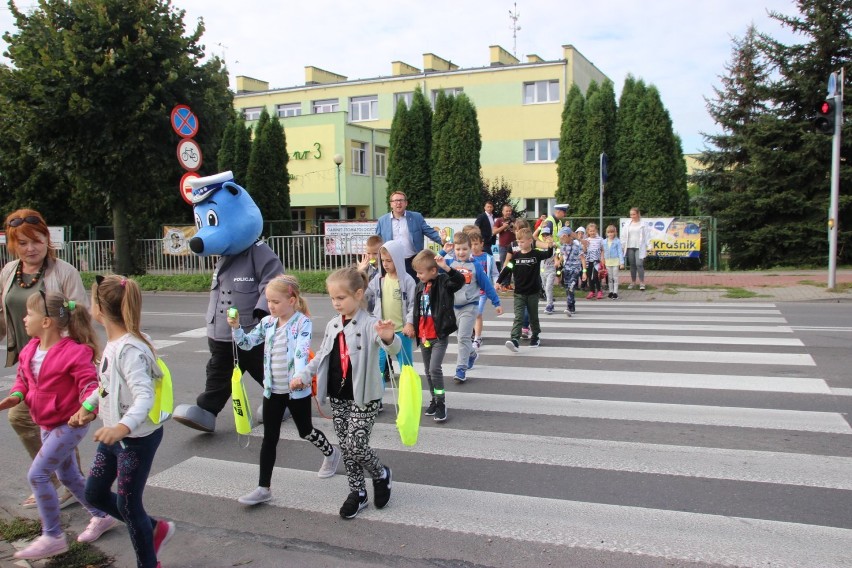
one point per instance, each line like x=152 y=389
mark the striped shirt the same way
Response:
x=593 y=252
x=281 y=368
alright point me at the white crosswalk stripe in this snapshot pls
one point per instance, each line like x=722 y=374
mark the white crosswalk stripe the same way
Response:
x=731 y=409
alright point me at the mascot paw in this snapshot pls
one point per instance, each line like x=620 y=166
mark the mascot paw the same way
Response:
x=195 y=417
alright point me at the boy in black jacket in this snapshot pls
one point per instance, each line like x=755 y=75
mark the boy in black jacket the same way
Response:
x=525 y=269
x=434 y=321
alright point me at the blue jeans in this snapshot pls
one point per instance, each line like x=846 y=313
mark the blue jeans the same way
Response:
x=131 y=465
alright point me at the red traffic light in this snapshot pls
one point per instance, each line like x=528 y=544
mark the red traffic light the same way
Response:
x=826 y=117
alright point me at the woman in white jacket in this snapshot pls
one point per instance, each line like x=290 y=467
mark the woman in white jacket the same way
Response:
x=634 y=238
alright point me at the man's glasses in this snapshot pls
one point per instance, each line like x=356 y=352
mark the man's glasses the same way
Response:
x=18 y=221
x=392 y=201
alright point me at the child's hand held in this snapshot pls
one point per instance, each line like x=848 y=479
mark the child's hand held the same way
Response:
x=9 y=402
x=111 y=435
x=81 y=418
x=499 y=310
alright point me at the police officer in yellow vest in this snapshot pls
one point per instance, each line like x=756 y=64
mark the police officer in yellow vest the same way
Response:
x=551 y=225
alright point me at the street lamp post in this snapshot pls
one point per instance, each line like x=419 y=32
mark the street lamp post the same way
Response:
x=338 y=159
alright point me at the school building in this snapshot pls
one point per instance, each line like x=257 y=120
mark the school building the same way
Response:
x=332 y=119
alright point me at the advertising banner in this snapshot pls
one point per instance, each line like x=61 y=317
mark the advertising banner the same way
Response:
x=176 y=239
x=351 y=237
x=672 y=236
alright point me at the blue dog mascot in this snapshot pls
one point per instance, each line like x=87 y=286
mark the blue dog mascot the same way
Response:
x=229 y=224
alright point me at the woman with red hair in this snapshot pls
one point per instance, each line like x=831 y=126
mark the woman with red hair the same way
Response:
x=35 y=269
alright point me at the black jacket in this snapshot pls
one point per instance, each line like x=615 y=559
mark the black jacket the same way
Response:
x=485 y=228
x=444 y=287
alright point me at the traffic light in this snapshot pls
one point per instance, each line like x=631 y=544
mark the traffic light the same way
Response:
x=825 y=116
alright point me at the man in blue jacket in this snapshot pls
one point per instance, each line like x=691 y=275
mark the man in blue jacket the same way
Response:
x=407 y=227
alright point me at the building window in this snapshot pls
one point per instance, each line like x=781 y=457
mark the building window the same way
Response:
x=541 y=92
x=300 y=223
x=536 y=207
x=326 y=105
x=407 y=97
x=359 y=158
x=449 y=92
x=546 y=150
x=363 y=108
x=291 y=109
x=381 y=165
x=252 y=113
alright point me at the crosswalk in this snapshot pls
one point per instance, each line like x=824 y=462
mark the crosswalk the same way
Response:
x=675 y=431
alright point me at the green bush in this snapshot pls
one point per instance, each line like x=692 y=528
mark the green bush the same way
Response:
x=312 y=282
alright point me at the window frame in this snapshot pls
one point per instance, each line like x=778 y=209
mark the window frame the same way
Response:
x=334 y=105
x=252 y=113
x=552 y=146
x=371 y=102
x=407 y=96
x=288 y=107
x=359 y=151
x=380 y=161
x=550 y=83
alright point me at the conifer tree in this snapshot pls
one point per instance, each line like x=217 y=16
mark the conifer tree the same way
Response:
x=409 y=158
x=623 y=167
x=569 y=164
x=226 y=149
x=267 y=179
x=598 y=138
x=459 y=196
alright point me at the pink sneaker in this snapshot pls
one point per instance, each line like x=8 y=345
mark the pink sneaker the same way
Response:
x=163 y=533
x=44 y=546
x=600 y=295
x=97 y=527
x=591 y=296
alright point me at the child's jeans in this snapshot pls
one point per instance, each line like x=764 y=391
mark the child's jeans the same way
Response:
x=570 y=277
x=57 y=455
x=548 y=278
x=433 y=357
x=465 y=320
x=130 y=461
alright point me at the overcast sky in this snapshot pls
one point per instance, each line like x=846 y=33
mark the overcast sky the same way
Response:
x=681 y=46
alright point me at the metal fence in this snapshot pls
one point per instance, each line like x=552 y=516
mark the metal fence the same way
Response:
x=297 y=253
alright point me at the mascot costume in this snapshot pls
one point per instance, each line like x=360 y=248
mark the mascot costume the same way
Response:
x=229 y=224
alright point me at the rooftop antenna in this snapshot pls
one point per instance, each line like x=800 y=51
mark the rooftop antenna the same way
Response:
x=515 y=28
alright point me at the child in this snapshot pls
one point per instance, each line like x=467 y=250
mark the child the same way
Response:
x=613 y=259
x=286 y=335
x=370 y=261
x=548 y=271
x=594 y=244
x=580 y=237
x=466 y=302
x=392 y=297
x=486 y=261
x=525 y=269
x=128 y=439
x=347 y=370
x=55 y=372
x=435 y=320
x=572 y=260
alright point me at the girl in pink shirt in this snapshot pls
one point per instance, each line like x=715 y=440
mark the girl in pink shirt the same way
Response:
x=55 y=373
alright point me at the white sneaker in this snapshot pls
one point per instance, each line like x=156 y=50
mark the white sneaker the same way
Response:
x=259 y=495
x=329 y=464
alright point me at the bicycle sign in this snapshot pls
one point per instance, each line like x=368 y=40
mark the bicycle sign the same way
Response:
x=184 y=122
x=189 y=154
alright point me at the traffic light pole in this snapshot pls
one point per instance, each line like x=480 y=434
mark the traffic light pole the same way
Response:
x=835 y=185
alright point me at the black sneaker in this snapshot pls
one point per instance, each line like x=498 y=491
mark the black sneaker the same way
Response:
x=440 y=412
x=382 y=490
x=353 y=505
x=430 y=410
x=512 y=345
x=609 y=295
x=614 y=296
x=535 y=342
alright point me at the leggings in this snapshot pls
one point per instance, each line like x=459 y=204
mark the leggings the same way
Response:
x=273 y=412
x=636 y=264
x=353 y=426
x=129 y=461
x=57 y=455
x=594 y=276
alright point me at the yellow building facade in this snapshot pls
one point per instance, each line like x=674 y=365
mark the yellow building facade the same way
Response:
x=519 y=108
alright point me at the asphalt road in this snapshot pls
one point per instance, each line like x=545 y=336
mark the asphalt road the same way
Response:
x=625 y=440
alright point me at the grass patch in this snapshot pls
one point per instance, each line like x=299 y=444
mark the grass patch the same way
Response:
x=19 y=529
x=741 y=293
x=312 y=282
x=80 y=555
x=838 y=286
x=669 y=290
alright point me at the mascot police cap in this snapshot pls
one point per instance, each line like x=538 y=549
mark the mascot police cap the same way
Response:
x=227 y=218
